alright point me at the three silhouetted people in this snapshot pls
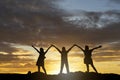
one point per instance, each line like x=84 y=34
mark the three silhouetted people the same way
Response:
x=64 y=57
x=88 y=56
x=40 y=61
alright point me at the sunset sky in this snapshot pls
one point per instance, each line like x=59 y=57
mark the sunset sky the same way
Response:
x=63 y=23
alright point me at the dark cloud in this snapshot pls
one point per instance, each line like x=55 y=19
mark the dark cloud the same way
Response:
x=5 y=47
x=28 y=22
x=103 y=59
x=7 y=57
x=24 y=21
x=114 y=46
x=7 y=50
x=96 y=27
x=109 y=52
x=93 y=19
x=115 y=1
x=105 y=54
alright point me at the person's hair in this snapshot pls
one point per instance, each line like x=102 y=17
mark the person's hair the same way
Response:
x=86 y=47
x=41 y=49
x=63 y=48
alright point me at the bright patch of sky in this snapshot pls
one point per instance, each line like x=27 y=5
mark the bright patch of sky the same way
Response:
x=89 y=5
x=104 y=19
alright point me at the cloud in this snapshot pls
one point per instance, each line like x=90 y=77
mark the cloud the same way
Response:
x=7 y=57
x=109 y=52
x=104 y=59
x=19 y=65
x=96 y=26
x=5 y=47
x=113 y=46
x=115 y=1
x=105 y=54
x=40 y=21
x=93 y=19
x=30 y=21
x=9 y=53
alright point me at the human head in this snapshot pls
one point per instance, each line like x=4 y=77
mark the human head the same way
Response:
x=41 y=49
x=86 y=47
x=63 y=48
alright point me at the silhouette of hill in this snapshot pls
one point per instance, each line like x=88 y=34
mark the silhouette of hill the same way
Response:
x=70 y=76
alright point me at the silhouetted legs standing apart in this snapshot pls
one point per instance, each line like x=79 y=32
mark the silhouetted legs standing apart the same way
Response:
x=42 y=68
x=87 y=65
x=94 y=68
x=66 y=65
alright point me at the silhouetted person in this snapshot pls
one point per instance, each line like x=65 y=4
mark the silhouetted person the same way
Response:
x=64 y=58
x=40 y=61
x=88 y=56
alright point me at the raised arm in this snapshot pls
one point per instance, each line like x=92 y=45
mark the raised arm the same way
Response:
x=57 y=48
x=97 y=47
x=36 y=49
x=48 y=49
x=80 y=47
x=70 y=48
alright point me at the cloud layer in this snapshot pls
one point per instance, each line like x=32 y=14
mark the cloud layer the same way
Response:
x=115 y=1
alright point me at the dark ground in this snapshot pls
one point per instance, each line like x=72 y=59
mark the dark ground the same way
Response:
x=70 y=76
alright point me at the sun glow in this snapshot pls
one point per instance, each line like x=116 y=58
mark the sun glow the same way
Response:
x=53 y=62
x=23 y=64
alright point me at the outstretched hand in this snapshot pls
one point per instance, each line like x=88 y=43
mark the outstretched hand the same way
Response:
x=100 y=46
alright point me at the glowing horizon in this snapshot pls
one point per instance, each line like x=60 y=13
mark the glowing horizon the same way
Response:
x=52 y=62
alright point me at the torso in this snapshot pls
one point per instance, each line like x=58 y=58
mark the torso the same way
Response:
x=64 y=55
x=88 y=53
x=88 y=59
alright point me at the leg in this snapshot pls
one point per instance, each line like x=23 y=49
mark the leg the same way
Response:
x=38 y=68
x=67 y=66
x=44 y=69
x=87 y=65
x=94 y=68
x=62 y=65
x=86 y=61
